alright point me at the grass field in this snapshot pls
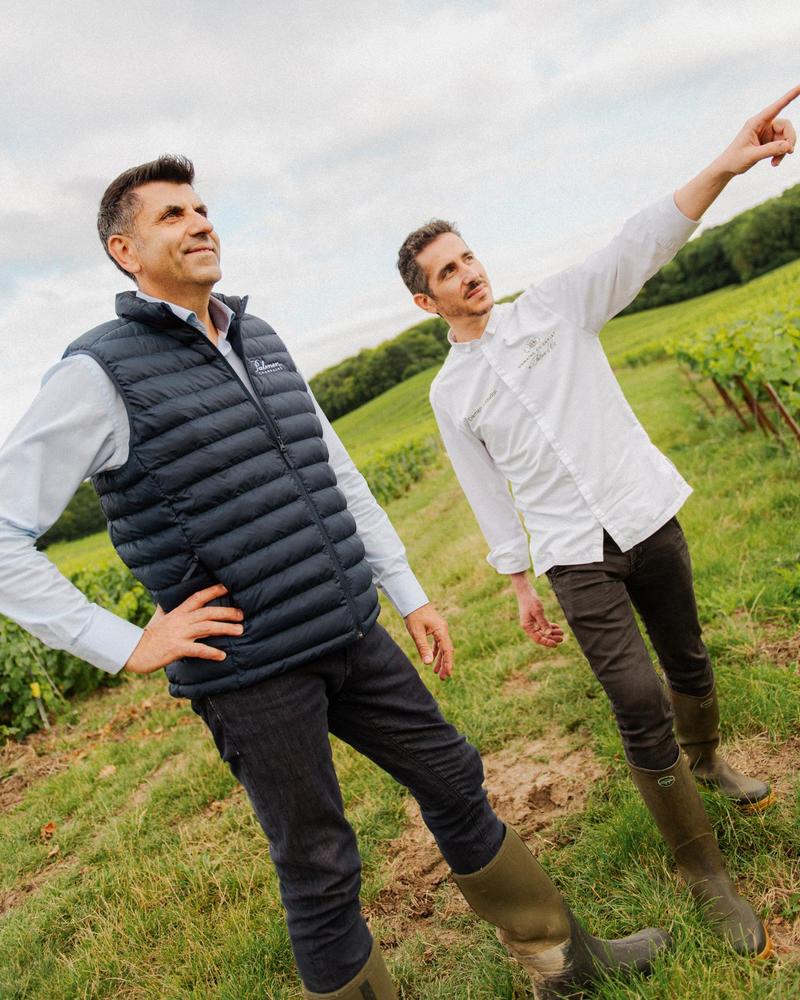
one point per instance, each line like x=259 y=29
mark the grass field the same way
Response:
x=154 y=881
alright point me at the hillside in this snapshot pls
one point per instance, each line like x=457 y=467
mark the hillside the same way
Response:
x=130 y=863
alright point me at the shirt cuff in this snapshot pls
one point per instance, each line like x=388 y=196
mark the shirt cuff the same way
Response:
x=107 y=642
x=404 y=591
x=672 y=227
x=512 y=558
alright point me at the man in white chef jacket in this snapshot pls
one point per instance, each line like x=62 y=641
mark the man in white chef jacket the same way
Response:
x=526 y=398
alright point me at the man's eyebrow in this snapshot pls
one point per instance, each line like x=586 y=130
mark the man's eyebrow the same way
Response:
x=170 y=210
x=467 y=253
x=444 y=268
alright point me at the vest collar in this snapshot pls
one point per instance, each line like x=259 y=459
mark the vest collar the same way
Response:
x=159 y=316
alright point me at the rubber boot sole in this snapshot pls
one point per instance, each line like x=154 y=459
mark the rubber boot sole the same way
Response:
x=767 y=950
x=760 y=806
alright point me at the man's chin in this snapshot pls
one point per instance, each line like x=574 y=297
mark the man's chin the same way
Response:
x=207 y=275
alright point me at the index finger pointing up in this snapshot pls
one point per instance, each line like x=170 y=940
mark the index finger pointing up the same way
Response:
x=773 y=110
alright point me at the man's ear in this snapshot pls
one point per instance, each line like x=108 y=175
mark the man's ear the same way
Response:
x=123 y=249
x=426 y=302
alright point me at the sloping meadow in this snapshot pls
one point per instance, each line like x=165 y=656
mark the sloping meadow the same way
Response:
x=131 y=865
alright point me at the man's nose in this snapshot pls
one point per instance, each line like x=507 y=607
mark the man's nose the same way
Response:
x=201 y=223
x=470 y=274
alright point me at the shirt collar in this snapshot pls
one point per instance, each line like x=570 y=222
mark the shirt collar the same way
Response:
x=221 y=315
x=465 y=346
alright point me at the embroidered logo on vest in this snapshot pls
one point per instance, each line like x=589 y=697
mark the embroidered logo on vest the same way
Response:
x=261 y=367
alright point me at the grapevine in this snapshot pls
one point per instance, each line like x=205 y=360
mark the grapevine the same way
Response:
x=753 y=361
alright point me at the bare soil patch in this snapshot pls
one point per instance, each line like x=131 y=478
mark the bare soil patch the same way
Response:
x=526 y=681
x=20 y=765
x=32 y=883
x=785 y=938
x=521 y=682
x=777 y=763
x=530 y=784
x=767 y=641
x=781 y=898
x=783 y=652
x=46 y=753
x=176 y=765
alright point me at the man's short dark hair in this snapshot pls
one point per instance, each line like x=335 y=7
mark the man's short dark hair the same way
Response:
x=413 y=245
x=120 y=203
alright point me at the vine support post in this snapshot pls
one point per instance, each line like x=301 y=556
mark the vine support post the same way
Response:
x=693 y=386
x=759 y=415
x=726 y=399
x=790 y=422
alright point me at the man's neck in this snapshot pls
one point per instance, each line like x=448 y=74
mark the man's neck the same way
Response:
x=194 y=299
x=466 y=328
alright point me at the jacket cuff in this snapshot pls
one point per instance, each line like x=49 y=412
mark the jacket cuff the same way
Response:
x=514 y=558
x=107 y=641
x=672 y=228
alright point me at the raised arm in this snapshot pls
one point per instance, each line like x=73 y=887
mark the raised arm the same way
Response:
x=591 y=293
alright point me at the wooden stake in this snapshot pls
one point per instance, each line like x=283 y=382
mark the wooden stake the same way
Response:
x=790 y=422
x=762 y=419
x=726 y=399
x=696 y=391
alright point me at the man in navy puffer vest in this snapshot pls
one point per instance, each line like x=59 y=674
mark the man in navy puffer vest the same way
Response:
x=231 y=499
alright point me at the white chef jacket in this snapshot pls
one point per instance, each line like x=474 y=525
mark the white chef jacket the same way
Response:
x=533 y=403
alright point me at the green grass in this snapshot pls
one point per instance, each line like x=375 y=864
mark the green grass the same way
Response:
x=386 y=423
x=162 y=886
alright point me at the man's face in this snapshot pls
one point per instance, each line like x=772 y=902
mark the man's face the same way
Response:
x=173 y=247
x=456 y=279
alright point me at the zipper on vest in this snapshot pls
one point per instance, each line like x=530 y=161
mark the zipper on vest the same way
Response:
x=190 y=571
x=272 y=424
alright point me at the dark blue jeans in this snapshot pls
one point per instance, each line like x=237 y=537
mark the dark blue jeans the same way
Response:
x=598 y=601
x=274 y=736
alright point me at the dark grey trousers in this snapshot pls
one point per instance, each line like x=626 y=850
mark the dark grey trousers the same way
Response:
x=274 y=736
x=598 y=601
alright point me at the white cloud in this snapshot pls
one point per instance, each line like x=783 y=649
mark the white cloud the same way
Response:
x=324 y=132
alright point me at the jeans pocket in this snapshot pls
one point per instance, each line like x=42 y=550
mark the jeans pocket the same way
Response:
x=208 y=713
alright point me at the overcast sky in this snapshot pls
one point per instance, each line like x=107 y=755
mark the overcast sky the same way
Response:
x=323 y=132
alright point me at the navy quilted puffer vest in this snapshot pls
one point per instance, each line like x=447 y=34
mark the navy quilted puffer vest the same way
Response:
x=222 y=487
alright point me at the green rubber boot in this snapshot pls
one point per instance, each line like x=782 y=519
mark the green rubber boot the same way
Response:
x=676 y=806
x=371 y=983
x=514 y=893
x=697 y=732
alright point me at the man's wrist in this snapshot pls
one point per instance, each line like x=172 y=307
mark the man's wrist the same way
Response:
x=522 y=584
x=695 y=197
x=719 y=171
